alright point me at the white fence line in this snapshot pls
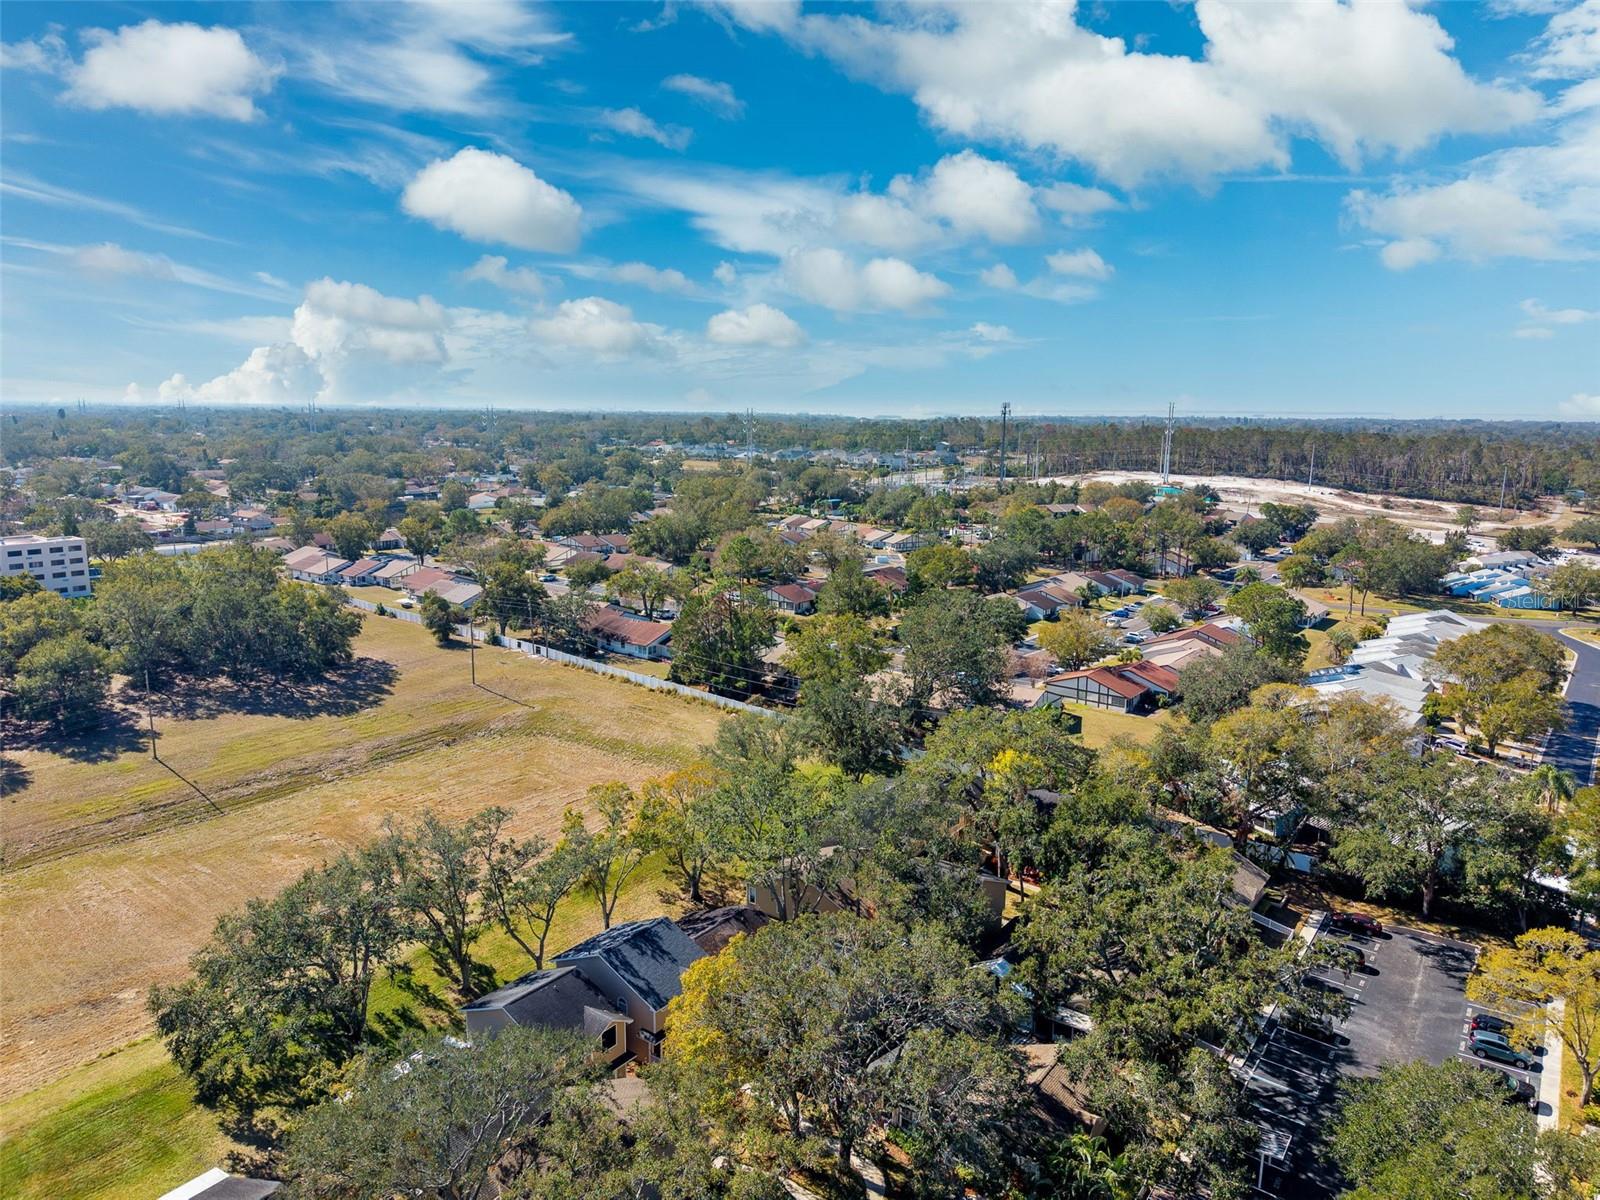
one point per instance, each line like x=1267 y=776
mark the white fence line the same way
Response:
x=538 y=650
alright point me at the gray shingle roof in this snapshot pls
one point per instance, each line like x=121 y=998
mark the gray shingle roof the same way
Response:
x=558 y=997
x=649 y=956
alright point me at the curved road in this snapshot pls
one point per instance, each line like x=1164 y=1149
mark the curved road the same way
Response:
x=1574 y=748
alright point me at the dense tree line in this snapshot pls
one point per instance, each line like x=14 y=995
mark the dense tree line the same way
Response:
x=227 y=612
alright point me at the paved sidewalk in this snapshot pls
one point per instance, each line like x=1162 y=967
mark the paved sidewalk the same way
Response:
x=1550 y=1077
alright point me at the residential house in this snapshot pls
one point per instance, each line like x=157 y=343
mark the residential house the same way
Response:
x=393 y=571
x=1059 y=1104
x=603 y=544
x=714 y=928
x=151 y=499
x=1316 y=612
x=252 y=520
x=1183 y=646
x=213 y=530
x=904 y=543
x=450 y=588
x=481 y=501
x=556 y=998
x=621 y=632
x=1063 y=510
x=638 y=967
x=799 y=598
x=893 y=578
x=1123 y=687
x=359 y=573
x=312 y=564
x=1043 y=600
x=1117 y=582
x=279 y=545
x=1395 y=668
x=389 y=539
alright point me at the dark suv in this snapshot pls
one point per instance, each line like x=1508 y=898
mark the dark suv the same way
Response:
x=1494 y=1047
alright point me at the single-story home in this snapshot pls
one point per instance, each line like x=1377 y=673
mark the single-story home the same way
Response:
x=312 y=564
x=603 y=544
x=389 y=539
x=893 y=578
x=1117 y=582
x=359 y=573
x=1043 y=600
x=798 y=598
x=393 y=571
x=1124 y=687
x=1183 y=646
x=621 y=632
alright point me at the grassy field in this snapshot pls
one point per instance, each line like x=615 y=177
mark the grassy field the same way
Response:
x=116 y=867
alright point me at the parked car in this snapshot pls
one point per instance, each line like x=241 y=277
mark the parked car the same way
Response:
x=1490 y=1023
x=547 y=577
x=1348 y=922
x=1133 y=639
x=407 y=602
x=1495 y=1048
x=1514 y=1090
x=1114 y=621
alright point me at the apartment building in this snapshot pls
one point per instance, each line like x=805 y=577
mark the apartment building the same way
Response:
x=58 y=563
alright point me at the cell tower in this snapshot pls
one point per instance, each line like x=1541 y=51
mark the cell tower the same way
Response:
x=1166 y=444
x=1005 y=421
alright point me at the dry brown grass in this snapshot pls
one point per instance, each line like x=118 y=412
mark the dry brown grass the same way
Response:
x=116 y=869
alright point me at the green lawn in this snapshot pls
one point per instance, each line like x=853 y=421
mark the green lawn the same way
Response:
x=122 y=1128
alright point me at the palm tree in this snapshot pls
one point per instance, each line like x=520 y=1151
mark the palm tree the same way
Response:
x=1550 y=786
x=1083 y=1168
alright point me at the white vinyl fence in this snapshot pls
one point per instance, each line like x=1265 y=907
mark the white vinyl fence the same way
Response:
x=538 y=650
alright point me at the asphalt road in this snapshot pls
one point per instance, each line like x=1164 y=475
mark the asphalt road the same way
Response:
x=1573 y=748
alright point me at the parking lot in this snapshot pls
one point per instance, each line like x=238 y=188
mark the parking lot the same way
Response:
x=1408 y=1002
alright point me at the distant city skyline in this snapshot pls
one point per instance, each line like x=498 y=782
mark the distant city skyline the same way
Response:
x=1086 y=210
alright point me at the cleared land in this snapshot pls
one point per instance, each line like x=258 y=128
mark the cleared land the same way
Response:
x=1436 y=516
x=116 y=868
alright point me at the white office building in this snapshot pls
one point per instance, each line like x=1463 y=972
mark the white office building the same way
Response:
x=60 y=564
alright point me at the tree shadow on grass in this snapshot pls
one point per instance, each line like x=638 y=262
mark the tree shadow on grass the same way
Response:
x=118 y=733
x=14 y=777
x=360 y=685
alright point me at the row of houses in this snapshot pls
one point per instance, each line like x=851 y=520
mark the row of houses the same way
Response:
x=1396 y=667
x=1154 y=679
x=313 y=564
x=797 y=528
x=1046 y=598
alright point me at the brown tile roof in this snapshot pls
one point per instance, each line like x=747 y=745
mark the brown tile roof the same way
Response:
x=613 y=623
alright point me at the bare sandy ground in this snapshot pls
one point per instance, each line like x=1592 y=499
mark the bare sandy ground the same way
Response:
x=1428 y=516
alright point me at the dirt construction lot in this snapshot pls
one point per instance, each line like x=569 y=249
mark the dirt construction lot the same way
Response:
x=1433 y=516
x=116 y=869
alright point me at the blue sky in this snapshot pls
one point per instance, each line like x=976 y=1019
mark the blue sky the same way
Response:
x=1318 y=209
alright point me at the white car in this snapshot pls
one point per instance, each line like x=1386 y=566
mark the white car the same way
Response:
x=407 y=602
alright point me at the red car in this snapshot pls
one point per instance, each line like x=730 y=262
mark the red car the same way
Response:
x=1357 y=923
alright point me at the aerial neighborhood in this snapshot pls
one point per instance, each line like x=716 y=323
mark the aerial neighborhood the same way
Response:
x=880 y=739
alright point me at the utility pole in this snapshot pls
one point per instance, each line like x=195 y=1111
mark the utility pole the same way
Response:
x=1312 y=469
x=149 y=715
x=1504 y=471
x=1005 y=420
x=472 y=648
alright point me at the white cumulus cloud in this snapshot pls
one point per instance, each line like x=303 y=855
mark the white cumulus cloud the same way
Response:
x=978 y=195
x=999 y=276
x=639 y=274
x=598 y=326
x=490 y=197
x=494 y=269
x=758 y=325
x=1361 y=77
x=831 y=278
x=179 y=69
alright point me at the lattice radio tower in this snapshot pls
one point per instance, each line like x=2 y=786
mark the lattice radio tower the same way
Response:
x=1166 y=443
